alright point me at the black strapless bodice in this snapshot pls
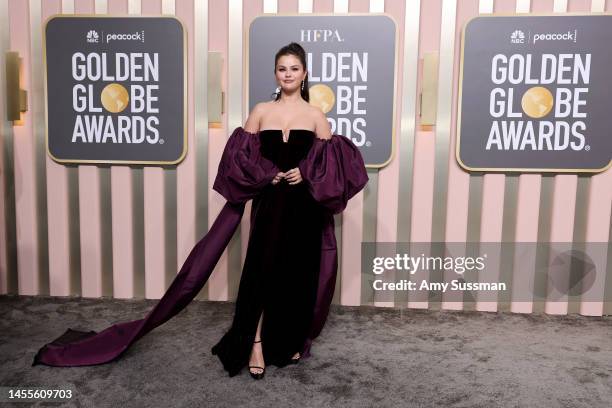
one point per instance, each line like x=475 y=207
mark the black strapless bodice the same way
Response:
x=286 y=155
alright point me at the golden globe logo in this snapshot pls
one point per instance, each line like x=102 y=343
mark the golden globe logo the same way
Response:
x=114 y=98
x=537 y=102
x=568 y=75
x=139 y=98
x=322 y=96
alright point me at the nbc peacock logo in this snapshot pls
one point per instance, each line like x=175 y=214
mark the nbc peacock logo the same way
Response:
x=517 y=37
x=92 y=36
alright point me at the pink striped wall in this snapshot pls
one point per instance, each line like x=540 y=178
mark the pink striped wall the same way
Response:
x=154 y=187
x=218 y=12
x=25 y=181
x=95 y=250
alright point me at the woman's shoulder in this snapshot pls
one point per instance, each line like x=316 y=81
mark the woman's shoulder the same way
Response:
x=316 y=111
x=257 y=113
x=261 y=107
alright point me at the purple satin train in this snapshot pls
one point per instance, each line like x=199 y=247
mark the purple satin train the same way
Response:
x=334 y=171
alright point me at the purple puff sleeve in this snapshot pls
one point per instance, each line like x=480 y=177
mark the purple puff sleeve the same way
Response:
x=334 y=171
x=243 y=171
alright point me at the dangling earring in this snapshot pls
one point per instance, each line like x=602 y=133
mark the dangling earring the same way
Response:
x=302 y=85
x=278 y=90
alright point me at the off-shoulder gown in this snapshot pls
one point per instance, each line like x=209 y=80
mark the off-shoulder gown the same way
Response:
x=291 y=262
x=281 y=267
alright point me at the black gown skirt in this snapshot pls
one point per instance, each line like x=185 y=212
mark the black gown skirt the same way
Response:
x=281 y=268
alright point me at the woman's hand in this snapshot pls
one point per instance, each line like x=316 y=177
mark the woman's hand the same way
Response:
x=278 y=177
x=293 y=176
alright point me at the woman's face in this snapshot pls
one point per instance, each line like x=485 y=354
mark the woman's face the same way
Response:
x=289 y=73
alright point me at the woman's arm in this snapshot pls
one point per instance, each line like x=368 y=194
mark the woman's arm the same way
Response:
x=252 y=123
x=322 y=128
x=333 y=169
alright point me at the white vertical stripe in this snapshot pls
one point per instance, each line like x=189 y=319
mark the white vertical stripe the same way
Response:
x=155 y=286
x=98 y=181
x=341 y=6
x=443 y=120
x=122 y=213
x=36 y=104
x=407 y=131
x=523 y=6
x=350 y=227
x=560 y=6
x=523 y=269
x=485 y=6
x=134 y=6
x=373 y=225
x=168 y=7
x=598 y=6
x=67 y=6
x=186 y=170
x=234 y=80
x=138 y=204
x=200 y=111
x=488 y=195
x=101 y=7
x=305 y=6
x=561 y=221
x=270 y=6
x=377 y=6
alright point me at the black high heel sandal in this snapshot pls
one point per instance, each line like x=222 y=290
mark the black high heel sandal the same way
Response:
x=257 y=376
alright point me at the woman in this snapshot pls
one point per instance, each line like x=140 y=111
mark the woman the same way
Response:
x=282 y=261
x=298 y=175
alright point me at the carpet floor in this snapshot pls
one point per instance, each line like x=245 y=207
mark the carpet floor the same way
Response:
x=365 y=357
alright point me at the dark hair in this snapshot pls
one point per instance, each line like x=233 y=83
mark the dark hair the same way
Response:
x=297 y=50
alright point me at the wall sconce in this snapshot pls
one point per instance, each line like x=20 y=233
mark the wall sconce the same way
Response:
x=16 y=98
x=215 y=94
x=429 y=89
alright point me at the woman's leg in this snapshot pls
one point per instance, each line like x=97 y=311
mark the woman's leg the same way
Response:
x=256 y=358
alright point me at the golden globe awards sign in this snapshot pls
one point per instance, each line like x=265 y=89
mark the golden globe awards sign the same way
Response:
x=535 y=94
x=115 y=89
x=351 y=72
